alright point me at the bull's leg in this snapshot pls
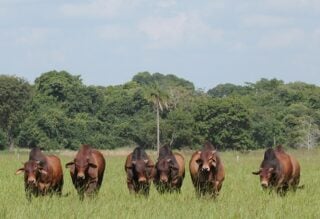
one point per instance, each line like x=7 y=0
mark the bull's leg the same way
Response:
x=59 y=188
x=295 y=183
x=216 y=188
x=28 y=195
x=91 y=190
x=131 y=186
x=145 y=190
x=176 y=185
x=281 y=190
x=198 y=190
x=80 y=193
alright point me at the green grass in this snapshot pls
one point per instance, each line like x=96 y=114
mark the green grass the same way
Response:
x=240 y=197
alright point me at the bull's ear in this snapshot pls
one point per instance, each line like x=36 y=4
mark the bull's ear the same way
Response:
x=93 y=165
x=150 y=165
x=39 y=163
x=44 y=172
x=199 y=161
x=19 y=171
x=68 y=165
x=270 y=169
x=257 y=172
x=174 y=166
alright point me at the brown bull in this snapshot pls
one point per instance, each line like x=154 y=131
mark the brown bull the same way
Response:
x=87 y=170
x=42 y=174
x=279 y=170
x=140 y=170
x=207 y=171
x=169 y=171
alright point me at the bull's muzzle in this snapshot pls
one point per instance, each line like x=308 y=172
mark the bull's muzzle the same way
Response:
x=164 y=179
x=81 y=176
x=142 y=180
x=31 y=180
x=264 y=184
x=205 y=168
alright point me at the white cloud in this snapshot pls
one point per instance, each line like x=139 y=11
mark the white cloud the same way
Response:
x=3 y=12
x=289 y=5
x=316 y=36
x=114 y=32
x=32 y=36
x=264 y=21
x=282 y=39
x=98 y=8
x=182 y=28
x=166 y=3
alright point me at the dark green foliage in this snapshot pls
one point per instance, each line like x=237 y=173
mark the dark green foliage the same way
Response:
x=145 y=78
x=225 y=122
x=224 y=90
x=14 y=96
x=65 y=113
x=3 y=140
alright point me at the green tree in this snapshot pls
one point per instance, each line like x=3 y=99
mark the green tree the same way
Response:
x=225 y=122
x=301 y=129
x=15 y=93
x=159 y=98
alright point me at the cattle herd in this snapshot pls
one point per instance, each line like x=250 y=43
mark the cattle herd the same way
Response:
x=43 y=174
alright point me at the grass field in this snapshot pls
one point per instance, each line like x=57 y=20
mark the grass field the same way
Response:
x=240 y=197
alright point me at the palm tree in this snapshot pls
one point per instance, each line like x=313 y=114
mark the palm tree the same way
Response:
x=159 y=98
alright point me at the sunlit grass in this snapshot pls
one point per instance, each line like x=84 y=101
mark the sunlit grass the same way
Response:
x=240 y=197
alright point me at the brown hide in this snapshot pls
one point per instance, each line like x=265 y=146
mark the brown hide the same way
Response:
x=206 y=182
x=172 y=168
x=280 y=171
x=139 y=173
x=87 y=171
x=43 y=177
x=55 y=172
x=181 y=164
x=295 y=177
x=295 y=174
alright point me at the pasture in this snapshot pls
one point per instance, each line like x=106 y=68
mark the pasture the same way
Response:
x=240 y=197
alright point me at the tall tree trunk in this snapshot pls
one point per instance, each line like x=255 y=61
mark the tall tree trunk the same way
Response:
x=10 y=140
x=158 y=128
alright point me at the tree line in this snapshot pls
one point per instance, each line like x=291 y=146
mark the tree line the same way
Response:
x=58 y=111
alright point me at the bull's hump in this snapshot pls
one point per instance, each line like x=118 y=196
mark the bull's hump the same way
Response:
x=165 y=151
x=269 y=154
x=85 y=147
x=139 y=154
x=208 y=146
x=84 y=151
x=37 y=155
x=270 y=159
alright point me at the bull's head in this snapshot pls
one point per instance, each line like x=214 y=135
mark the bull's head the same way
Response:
x=166 y=169
x=141 y=169
x=265 y=176
x=32 y=171
x=207 y=160
x=81 y=167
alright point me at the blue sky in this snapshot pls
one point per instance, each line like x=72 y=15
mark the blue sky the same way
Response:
x=207 y=42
